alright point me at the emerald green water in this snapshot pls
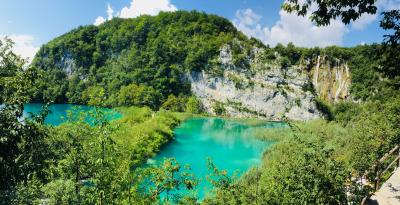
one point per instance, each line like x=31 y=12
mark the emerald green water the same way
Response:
x=230 y=144
x=59 y=112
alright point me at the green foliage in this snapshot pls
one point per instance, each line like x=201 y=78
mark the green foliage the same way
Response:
x=219 y=108
x=183 y=104
x=143 y=132
x=60 y=192
x=94 y=95
x=141 y=62
x=227 y=190
x=323 y=12
x=316 y=162
x=156 y=52
x=23 y=142
x=324 y=108
x=344 y=112
x=240 y=55
x=237 y=81
x=139 y=95
x=92 y=163
x=153 y=51
x=163 y=182
x=377 y=129
x=194 y=105
x=391 y=22
x=88 y=168
x=309 y=164
x=174 y=104
x=303 y=171
x=372 y=76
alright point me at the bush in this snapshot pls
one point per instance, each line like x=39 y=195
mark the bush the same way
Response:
x=139 y=95
x=194 y=105
x=174 y=104
x=219 y=108
x=325 y=109
x=344 y=112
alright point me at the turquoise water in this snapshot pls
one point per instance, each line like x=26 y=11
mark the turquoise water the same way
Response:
x=59 y=112
x=230 y=144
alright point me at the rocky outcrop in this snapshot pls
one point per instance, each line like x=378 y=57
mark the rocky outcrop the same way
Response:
x=331 y=79
x=264 y=90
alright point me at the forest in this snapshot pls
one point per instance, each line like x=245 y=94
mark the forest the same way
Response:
x=136 y=67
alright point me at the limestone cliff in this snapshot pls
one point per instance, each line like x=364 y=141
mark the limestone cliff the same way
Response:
x=265 y=90
x=268 y=90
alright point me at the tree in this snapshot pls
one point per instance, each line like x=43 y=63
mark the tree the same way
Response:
x=173 y=103
x=227 y=190
x=347 y=11
x=94 y=95
x=90 y=168
x=165 y=180
x=23 y=146
x=194 y=105
x=391 y=21
x=326 y=10
x=139 y=95
x=391 y=49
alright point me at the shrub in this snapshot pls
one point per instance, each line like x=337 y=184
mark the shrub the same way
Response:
x=139 y=95
x=219 y=108
x=174 y=104
x=325 y=109
x=194 y=105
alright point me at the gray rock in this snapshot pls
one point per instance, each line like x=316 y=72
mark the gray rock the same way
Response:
x=274 y=93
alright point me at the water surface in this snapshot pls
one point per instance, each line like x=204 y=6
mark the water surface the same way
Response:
x=230 y=144
x=58 y=113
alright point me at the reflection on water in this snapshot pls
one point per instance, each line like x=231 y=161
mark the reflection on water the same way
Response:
x=230 y=144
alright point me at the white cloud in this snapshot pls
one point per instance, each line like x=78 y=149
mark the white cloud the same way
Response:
x=366 y=19
x=248 y=22
x=99 y=20
x=110 y=12
x=149 y=7
x=24 y=45
x=137 y=8
x=290 y=28
x=247 y=17
x=386 y=5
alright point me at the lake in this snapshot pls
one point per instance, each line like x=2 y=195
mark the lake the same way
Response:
x=59 y=112
x=230 y=144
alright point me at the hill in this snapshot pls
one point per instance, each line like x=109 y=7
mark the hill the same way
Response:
x=178 y=60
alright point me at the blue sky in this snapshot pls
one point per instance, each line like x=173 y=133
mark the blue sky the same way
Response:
x=31 y=23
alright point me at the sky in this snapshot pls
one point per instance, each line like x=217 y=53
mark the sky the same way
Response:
x=32 y=23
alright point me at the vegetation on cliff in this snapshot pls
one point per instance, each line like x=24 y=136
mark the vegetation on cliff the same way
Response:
x=148 y=55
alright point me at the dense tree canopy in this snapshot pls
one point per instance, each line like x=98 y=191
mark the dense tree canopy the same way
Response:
x=152 y=52
x=23 y=142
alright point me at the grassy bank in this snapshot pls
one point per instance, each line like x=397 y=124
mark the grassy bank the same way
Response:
x=142 y=131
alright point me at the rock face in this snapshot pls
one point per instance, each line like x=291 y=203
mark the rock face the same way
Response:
x=331 y=80
x=264 y=90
